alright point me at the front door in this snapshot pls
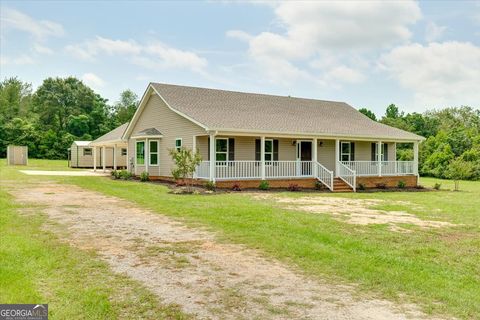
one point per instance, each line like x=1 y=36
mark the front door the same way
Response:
x=304 y=153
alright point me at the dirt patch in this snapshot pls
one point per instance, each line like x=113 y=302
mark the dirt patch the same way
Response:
x=355 y=211
x=186 y=266
x=89 y=173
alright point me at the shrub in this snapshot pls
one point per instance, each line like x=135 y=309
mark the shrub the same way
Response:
x=319 y=185
x=236 y=187
x=361 y=186
x=115 y=174
x=264 y=185
x=401 y=184
x=144 y=176
x=186 y=162
x=437 y=186
x=458 y=170
x=293 y=187
x=419 y=186
x=210 y=185
x=124 y=175
x=381 y=186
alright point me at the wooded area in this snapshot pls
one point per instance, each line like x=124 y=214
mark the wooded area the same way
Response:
x=62 y=110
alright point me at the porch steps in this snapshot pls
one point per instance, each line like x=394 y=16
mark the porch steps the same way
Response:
x=340 y=186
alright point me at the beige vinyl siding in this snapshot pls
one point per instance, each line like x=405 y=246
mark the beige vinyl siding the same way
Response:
x=326 y=153
x=87 y=161
x=156 y=114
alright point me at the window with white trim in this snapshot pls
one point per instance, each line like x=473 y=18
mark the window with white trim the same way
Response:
x=221 y=149
x=269 y=150
x=153 y=152
x=87 y=151
x=140 y=153
x=345 y=151
x=178 y=144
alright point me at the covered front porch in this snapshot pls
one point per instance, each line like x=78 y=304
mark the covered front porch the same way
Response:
x=241 y=157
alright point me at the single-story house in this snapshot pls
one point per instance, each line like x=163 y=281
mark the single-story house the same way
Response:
x=245 y=138
x=111 y=148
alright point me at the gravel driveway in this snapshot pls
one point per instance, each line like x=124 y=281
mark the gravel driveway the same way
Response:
x=187 y=266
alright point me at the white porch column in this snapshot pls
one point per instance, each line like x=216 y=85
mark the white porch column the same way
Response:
x=379 y=158
x=103 y=158
x=337 y=157
x=415 y=158
x=314 y=156
x=128 y=156
x=147 y=155
x=194 y=144
x=94 y=159
x=114 y=157
x=395 y=157
x=262 y=156
x=212 y=157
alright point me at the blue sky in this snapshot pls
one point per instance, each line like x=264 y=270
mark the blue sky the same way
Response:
x=418 y=55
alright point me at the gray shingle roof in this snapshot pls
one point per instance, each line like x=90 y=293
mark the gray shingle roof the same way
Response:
x=114 y=135
x=147 y=132
x=220 y=110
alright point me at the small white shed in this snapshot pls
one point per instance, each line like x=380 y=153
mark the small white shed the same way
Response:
x=80 y=155
x=17 y=155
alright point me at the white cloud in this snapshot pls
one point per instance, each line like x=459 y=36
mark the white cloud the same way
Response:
x=42 y=49
x=439 y=74
x=434 y=32
x=315 y=30
x=20 y=60
x=40 y=29
x=93 y=80
x=154 y=55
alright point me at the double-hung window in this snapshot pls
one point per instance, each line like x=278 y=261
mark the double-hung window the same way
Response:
x=346 y=151
x=268 y=151
x=178 y=144
x=87 y=151
x=221 y=149
x=140 y=153
x=153 y=152
x=124 y=152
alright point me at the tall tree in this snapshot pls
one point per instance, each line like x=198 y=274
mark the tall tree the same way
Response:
x=124 y=109
x=368 y=113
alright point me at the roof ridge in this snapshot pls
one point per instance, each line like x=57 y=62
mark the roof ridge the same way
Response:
x=245 y=92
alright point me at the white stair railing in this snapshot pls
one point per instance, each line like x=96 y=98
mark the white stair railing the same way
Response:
x=348 y=175
x=324 y=175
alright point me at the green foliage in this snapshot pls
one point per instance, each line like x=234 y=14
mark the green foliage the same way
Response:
x=144 y=176
x=264 y=185
x=210 y=185
x=319 y=185
x=459 y=169
x=186 y=162
x=437 y=186
x=368 y=113
x=60 y=111
x=361 y=186
x=401 y=184
x=124 y=175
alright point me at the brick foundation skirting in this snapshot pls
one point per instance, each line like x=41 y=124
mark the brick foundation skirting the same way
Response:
x=305 y=183
x=389 y=181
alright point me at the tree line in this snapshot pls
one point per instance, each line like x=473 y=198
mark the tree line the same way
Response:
x=452 y=145
x=59 y=112
x=62 y=110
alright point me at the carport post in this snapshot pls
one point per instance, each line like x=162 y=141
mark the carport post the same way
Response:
x=114 y=157
x=94 y=158
x=103 y=158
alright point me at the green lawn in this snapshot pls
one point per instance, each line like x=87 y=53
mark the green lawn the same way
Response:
x=36 y=267
x=436 y=268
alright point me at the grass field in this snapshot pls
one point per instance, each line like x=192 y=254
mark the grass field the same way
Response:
x=437 y=268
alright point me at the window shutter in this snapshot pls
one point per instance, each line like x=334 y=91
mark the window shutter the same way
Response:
x=386 y=152
x=257 y=150
x=374 y=151
x=208 y=148
x=275 y=150
x=231 y=149
x=352 y=151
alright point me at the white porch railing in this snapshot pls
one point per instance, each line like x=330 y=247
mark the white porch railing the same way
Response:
x=238 y=170
x=348 y=175
x=323 y=174
x=388 y=168
x=288 y=169
x=203 y=170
